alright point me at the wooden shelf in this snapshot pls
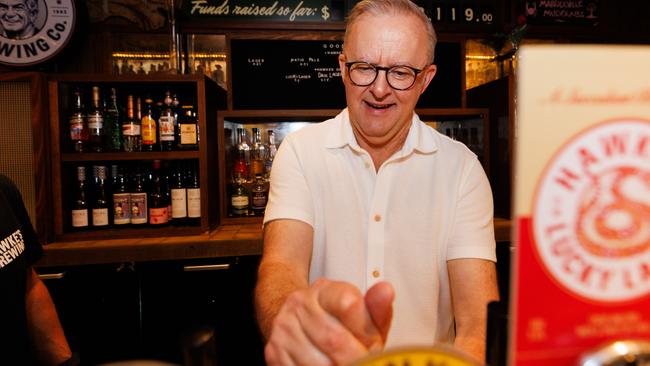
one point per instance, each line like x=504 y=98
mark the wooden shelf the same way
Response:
x=130 y=232
x=122 y=156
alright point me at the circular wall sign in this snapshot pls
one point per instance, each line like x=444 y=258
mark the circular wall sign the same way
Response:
x=33 y=31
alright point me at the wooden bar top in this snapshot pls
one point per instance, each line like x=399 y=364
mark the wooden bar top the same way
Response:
x=224 y=241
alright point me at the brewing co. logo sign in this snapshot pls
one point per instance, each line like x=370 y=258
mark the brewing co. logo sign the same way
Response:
x=32 y=31
x=591 y=215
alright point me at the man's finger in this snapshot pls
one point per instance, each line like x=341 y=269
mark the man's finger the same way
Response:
x=346 y=303
x=379 y=302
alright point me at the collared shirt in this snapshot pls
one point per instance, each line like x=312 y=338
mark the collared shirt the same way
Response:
x=427 y=204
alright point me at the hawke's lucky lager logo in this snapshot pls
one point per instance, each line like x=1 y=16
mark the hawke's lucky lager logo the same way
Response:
x=591 y=215
x=32 y=31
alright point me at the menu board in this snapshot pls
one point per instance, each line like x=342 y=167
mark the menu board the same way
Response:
x=571 y=12
x=581 y=277
x=299 y=74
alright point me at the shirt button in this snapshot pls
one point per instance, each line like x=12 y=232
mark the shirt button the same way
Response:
x=377 y=217
x=375 y=274
x=367 y=164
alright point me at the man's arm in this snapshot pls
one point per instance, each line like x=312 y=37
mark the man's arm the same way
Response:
x=44 y=328
x=473 y=285
x=325 y=323
x=284 y=268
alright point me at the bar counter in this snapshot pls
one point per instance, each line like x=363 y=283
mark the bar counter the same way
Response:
x=224 y=241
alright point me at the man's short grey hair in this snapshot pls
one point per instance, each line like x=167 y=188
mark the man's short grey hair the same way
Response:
x=32 y=6
x=393 y=7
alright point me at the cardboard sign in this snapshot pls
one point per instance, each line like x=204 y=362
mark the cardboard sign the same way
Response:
x=581 y=274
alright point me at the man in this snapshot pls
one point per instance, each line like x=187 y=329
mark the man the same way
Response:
x=17 y=18
x=30 y=330
x=376 y=202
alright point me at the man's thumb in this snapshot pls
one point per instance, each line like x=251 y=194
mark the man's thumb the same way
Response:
x=379 y=301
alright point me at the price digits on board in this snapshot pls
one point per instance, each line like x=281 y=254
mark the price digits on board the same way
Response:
x=451 y=13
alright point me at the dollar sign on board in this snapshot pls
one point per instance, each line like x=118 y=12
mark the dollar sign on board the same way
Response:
x=325 y=11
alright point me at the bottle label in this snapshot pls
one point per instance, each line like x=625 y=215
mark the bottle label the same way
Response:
x=259 y=200
x=138 y=208
x=239 y=202
x=80 y=218
x=188 y=134
x=158 y=216
x=148 y=131
x=166 y=124
x=121 y=208
x=100 y=216
x=179 y=203
x=95 y=122
x=194 y=202
x=131 y=129
x=76 y=128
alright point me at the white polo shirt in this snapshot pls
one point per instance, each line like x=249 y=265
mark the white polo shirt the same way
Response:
x=429 y=203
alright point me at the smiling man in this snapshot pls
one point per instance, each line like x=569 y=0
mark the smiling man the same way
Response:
x=378 y=231
x=17 y=18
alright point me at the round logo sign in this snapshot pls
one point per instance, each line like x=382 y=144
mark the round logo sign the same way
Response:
x=591 y=215
x=32 y=31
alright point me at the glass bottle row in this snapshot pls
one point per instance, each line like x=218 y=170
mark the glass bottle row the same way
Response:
x=137 y=195
x=162 y=126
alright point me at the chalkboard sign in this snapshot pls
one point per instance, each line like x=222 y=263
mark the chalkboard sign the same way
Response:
x=298 y=74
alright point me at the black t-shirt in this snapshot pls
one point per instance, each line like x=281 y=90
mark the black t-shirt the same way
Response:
x=19 y=249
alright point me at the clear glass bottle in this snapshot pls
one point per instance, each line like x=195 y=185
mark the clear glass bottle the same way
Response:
x=96 y=123
x=80 y=205
x=243 y=150
x=131 y=132
x=272 y=148
x=78 y=124
x=259 y=154
x=166 y=124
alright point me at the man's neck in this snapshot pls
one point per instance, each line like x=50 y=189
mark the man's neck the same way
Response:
x=382 y=152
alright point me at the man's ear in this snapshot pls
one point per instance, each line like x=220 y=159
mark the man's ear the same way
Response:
x=342 y=65
x=429 y=72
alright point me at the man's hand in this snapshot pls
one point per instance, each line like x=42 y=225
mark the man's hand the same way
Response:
x=330 y=323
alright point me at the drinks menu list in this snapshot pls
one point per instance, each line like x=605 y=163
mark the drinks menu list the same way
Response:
x=581 y=274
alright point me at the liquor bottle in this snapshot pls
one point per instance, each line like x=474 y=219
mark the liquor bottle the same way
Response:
x=259 y=154
x=78 y=124
x=80 y=205
x=193 y=195
x=166 y=124
x=112 y=123
x=149 y=138
x=157 y=198
x=188 y=129
x=121 y=200
x=132 y=138
x=100 y=207
x=239 y=200
x=243 y=150
x=178 y=196
x=272 y=151
x=139 y=210
x=96 y=123
x=259 y=195
x=167 y=189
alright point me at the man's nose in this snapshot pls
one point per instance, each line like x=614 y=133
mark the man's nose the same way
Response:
x=380 y=88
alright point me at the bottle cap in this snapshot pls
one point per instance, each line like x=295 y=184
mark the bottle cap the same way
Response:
x=81 y=173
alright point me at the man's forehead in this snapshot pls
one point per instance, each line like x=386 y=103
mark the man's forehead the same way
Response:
x=13 y=2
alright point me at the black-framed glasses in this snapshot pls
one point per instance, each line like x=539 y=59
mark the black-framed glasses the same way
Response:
x=399 y=77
